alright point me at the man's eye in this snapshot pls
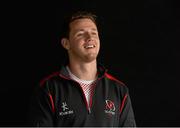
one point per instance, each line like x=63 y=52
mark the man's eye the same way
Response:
x=94 y=33
x=80 y=34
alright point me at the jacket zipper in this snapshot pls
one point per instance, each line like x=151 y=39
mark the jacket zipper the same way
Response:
x=89 y=110
x=88 y=106
x=84 y=97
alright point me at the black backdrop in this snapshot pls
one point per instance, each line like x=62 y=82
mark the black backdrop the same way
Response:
x=139 y=45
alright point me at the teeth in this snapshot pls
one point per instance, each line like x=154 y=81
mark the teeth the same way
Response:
x=90 y=46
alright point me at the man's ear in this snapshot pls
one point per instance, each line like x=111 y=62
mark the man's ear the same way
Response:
x=65 y=43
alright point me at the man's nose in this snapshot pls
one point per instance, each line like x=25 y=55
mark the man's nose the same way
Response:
x=88 y=36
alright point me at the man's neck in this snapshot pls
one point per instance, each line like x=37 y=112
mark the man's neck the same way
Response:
x=84 y=71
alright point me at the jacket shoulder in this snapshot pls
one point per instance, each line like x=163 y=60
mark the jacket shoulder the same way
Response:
x=49 y=77
x=112 y=78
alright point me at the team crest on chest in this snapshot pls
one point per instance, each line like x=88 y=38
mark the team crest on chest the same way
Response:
x=110 y=107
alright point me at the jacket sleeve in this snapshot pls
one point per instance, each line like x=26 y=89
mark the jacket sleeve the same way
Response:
x=127 y=118
x=41 y=108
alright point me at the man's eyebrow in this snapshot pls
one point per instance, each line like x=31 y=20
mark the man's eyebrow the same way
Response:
x=93 y=29
x=80 y=30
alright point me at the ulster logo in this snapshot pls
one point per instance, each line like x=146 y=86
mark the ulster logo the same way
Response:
x=110 y=107
x=65 y=110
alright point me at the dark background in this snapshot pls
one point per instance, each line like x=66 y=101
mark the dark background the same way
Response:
x=139 y=45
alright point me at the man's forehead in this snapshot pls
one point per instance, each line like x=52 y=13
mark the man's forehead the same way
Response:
x=83 y=25
x=82 y=22
x=83 y=29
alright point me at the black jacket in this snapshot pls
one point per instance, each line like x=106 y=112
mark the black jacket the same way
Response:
x=60 y=101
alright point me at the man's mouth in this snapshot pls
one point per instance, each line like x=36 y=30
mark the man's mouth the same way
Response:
x=89 y=46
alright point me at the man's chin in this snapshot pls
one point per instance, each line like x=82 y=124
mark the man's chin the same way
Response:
x=90 y=58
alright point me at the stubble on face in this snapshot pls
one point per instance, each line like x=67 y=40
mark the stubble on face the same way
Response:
x=84 y=40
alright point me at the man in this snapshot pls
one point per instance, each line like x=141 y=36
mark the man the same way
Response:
x=82 y=93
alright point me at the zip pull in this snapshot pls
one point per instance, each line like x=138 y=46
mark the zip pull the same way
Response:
x=89 y=110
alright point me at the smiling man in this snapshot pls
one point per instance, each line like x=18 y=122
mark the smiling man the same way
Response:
x=82 y=93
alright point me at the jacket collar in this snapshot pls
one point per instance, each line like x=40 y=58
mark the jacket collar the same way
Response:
x=100 y=68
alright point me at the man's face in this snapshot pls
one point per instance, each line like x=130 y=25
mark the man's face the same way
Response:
x=84 y=42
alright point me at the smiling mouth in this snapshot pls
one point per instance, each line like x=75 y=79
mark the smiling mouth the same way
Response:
x=89 y=46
